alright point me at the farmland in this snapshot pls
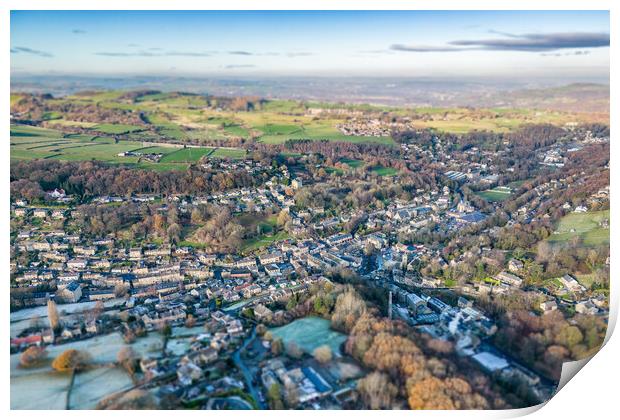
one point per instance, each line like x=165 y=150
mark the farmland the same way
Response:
x=29 y=142
x=586 y=226
x=184 y=118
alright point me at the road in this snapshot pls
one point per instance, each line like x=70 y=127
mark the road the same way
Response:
x=247 y=374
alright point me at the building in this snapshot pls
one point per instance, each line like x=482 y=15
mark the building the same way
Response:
x=586 y=307
x=509 y=279
x=71 y=293
x=571 y=284
x=548 y=306
x=273 y=258
x=515 y=265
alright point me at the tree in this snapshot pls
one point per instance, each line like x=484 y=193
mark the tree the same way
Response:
x=70 y=360
x=121 y=290
x=53 y=317
x=166 y=330
x=261 y=330
x=432 y=393
x=569 y=336
x=377 y=391
x=128 y=359
x=274 y=396
x=292 y=394
x=136 y=399
x=36 y=323
x=323 y=354
x=190 y=321
x=348 y=309
x=174 y=233
x=31 y=356
x=293 y=350
x=283 y=218
x=277 y=346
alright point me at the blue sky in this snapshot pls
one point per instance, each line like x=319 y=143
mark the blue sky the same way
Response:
x=322 y=43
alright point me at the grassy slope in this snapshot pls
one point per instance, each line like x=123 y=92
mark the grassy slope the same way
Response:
x=584 y=225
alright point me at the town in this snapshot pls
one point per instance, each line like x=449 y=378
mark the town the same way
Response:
x=234 y=298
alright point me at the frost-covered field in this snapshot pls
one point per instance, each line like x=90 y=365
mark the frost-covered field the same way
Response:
x=309 y=333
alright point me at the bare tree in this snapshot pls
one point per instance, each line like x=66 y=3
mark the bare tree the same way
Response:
x=52 y=316
x=323 y=354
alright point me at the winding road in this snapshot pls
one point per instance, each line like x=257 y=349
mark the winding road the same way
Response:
x=247 y=374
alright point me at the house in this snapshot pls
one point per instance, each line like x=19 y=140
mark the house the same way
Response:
x=101 y=294
x=571 y=283
x=188 y=373
x=77 y=264
x=58 y=214
x=509 y=279
x=41 y=213
x=379 y=241
x=21 y=212
x=338 y=239
x=586 y=307
x=272 y=258
x=135 y=253
x=57 y=193
x=72 y=293
x=296 y=183
x=249 y=263
x=548 y=306
x=273 y=270
x=85 y=250
x=102 y=264
x=263 y=313
x=515 y=265
x=234 y=327
x=203 y=356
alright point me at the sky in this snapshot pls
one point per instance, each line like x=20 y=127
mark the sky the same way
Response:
x=312 y=43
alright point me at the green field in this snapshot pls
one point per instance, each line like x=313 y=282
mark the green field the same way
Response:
x=221 y=152
x=309 y=333
x=189 y=154
x=583 y=225
x=37 y=143
x=353 y=163
x=117 y=128
x=236 y=130
x=495 y=195
x=383 y=171
x=263 y=241
x=276 y=129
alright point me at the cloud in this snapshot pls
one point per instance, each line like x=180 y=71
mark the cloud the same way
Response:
x=79 y=31
x=239 y=66
x=388 y=51
x=299 y=54
x=423 y=48
x=539 y=42
x=153 y=54
x=512 y=42
x=186 y=54
x=17 y=50
x=240 y=53
x=127 y=54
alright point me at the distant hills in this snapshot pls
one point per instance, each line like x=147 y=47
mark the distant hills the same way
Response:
x=578 y=97
x=415 y=92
